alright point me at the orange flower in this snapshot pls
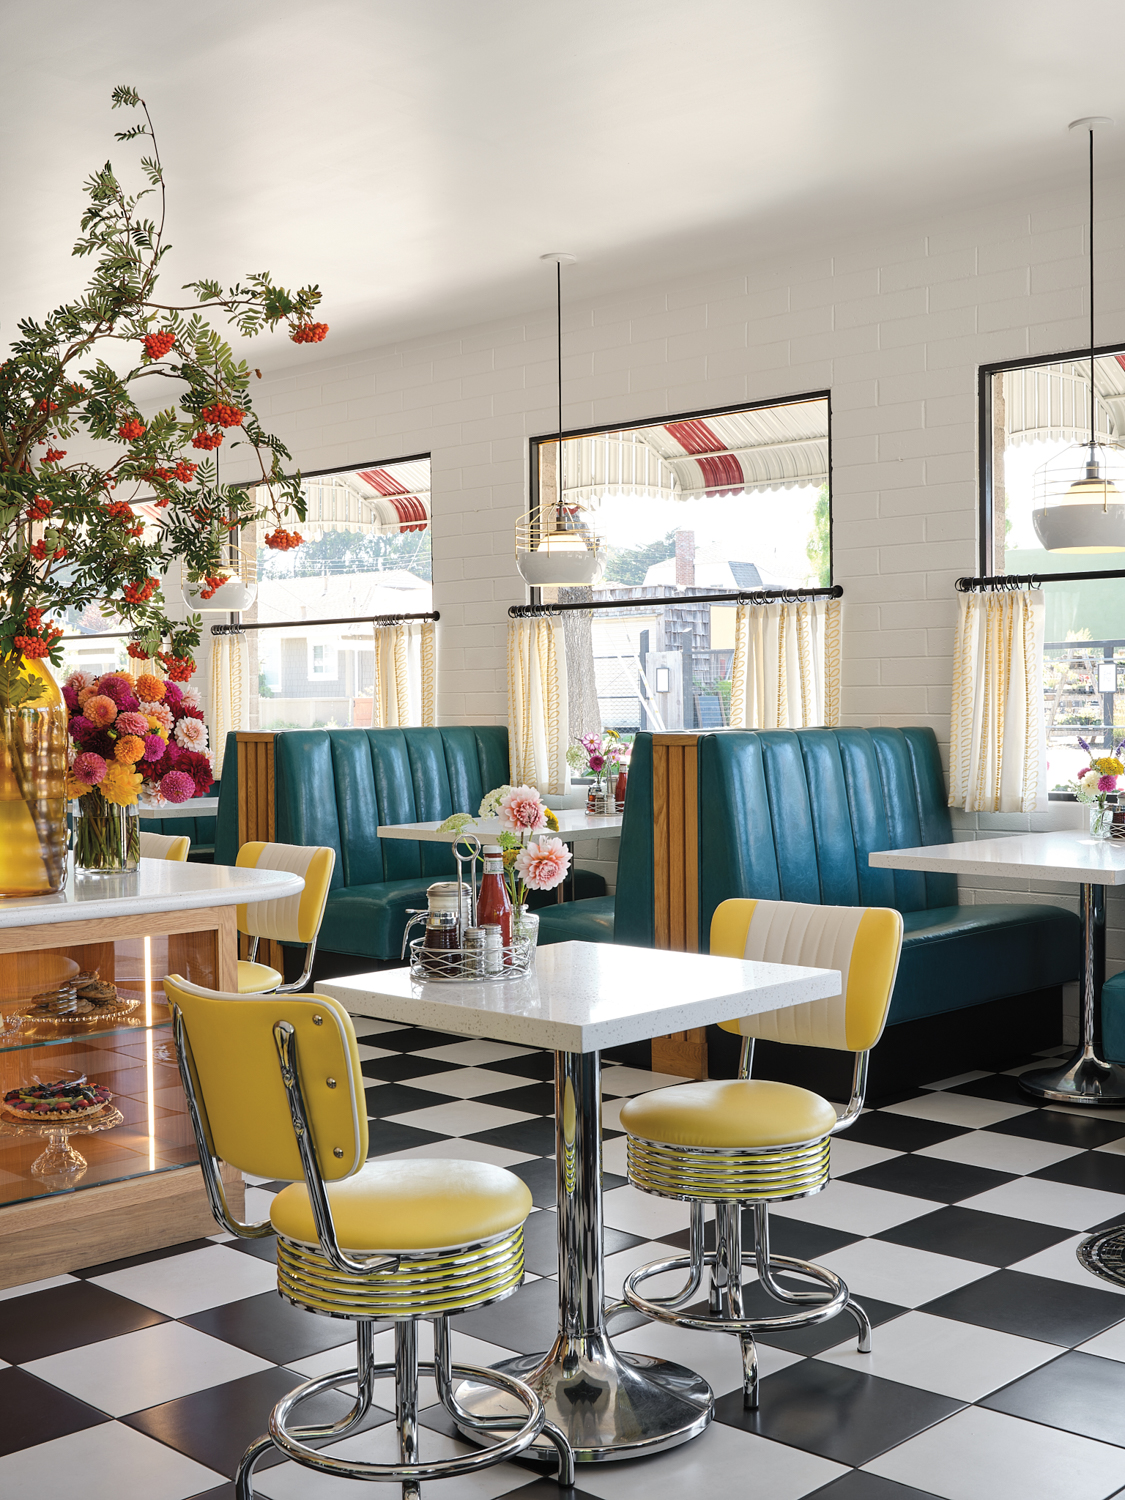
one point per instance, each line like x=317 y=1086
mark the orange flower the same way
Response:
x=129 y=749
x=149 y=689
x=100 y=710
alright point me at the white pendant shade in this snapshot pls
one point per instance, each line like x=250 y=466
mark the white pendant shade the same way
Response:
x=231 y=596
x=1086 y=514
x=566 y=558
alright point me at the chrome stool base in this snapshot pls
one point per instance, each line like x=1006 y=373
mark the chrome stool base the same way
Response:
x=1104 y=1254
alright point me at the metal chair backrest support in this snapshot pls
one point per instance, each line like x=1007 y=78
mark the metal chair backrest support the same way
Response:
x=165 y=846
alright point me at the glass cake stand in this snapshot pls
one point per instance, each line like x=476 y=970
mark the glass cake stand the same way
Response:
x=60 y=1164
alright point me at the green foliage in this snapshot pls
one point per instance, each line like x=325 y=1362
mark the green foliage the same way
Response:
x=819 y=548
x=629 y=565
x=17 y=691
x=63 y=545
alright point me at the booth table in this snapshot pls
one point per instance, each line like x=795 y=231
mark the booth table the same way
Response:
x=579 y=999
x=141 y=1187
x=1086 y=1078
x=194 y=807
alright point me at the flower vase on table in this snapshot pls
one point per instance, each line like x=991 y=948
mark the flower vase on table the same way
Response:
x=599 y=758
x=33 y=756
x=107 y=837
x=1096 y=784
x=533 y=861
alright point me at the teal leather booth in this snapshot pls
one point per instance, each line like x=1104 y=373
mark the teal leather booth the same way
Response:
x=200 y=830
x=334 y=787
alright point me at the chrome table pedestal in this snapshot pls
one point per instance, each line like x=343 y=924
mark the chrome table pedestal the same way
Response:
x=610 y=1405
x=1086 y=1077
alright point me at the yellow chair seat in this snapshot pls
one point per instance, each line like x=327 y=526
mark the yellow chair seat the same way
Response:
x=256 y=979
x=729 y=1113
x=410 y=1206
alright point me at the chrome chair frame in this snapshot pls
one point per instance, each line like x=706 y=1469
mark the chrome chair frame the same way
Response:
x=405 y=1368
x=725 y=1311
x=297 y=984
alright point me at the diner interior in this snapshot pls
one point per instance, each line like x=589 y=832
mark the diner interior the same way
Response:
x=562 y=844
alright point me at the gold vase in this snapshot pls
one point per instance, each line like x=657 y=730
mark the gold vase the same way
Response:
x=33 y=765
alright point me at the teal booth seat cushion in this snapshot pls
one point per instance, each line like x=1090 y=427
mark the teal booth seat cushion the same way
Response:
x=1113 y=1018
x=588 y=921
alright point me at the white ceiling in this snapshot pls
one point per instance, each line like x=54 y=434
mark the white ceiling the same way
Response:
x=415 y=157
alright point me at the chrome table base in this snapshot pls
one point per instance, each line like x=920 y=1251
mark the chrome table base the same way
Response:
x=1104 y=1254
x=609 y=1405
x=1086 y=1078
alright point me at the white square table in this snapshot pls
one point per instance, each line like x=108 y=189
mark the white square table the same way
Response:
x=580 y=998
x=1063 y=857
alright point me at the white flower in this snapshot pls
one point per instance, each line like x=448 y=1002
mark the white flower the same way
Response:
x=191 y=734
x=191 y=697
x=490 y=805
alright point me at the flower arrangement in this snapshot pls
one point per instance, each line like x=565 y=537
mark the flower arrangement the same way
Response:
x=537 y=864
x=1095 y=784
x=596 y=756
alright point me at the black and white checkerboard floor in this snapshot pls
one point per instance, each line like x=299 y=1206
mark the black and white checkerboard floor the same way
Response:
x=998 y=1371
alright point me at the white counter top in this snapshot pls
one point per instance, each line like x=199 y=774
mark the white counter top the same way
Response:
x=195 y=807
x=1054 y=857
x=582 y=997
x=574 y=825
x=159 y=885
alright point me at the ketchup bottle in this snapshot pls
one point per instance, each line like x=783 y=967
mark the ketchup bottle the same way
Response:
x=494 y=904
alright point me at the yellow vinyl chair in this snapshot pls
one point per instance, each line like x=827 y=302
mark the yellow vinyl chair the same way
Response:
x=748 y=1143
x=274 y=1087
x=293 y=919
x=165 y=846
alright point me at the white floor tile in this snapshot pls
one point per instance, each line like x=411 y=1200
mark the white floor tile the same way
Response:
x=365 y=1026
x=611 y=1113
x=469 y=1350
x=1060 y=1263
x=477 y=1053
x=722 y=1462
x=999 y=1152
x=258 y=1203
x=954 y=1359
x=618 y=1266
x=643 y=1214
x=958 y=1078
x=107 y=1462
x=899 y=1273
x=27 y=1287
x=1044 y=1202
x=1115 y=1148
x=142 y=1369
x=615 y=1156
x=957 y=1109
x=1110 y=1344
x=462 y=1117
x=183 y=1284
x=1083 y=1112
x=619 y=1081
x=369 y=1054
x=979 y=1453
x=469 y=1083
x=855 y=1209
x=459 y=1150
x=715 y=1356
x=853 y=1156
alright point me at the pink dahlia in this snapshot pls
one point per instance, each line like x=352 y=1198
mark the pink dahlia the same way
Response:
x=132 y=723
x=1107 y=783
x=115 y=687
x=81 y=728
x=191 y=734
x=100 y=710
x=597 y=763
x=177 y=786
x=189 y=696
x=158 y=711
x=77 y=681
x=154 y=747
x=70 y=698
x=89 y=768
x=173 y=694
x=543 y=863
x=521 y=809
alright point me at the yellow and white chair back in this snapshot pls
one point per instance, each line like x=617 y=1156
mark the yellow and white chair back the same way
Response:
x=290 y=919
x=274 y=1088
x=165 y=846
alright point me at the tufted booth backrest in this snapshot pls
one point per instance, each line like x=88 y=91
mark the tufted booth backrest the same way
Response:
x=334 y=787
x=791 y=815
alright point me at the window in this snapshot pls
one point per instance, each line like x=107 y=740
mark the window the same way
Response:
x=366 y=552
x=708 y=504
x=1036 y=418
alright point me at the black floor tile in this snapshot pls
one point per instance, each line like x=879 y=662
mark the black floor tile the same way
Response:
x=999 y=1086
x=220 y=1492
x=968 y=1234
x=538 y=1174
x=532 y=1099
x=546 y=1489
x=860 y=1486
x=1104 y=1170
x=273 y=1329
x=35 y=1412
x=414 y=1039
x=385 y=1136
x=1034 y=1307
x=1079 y=1393
x=541 y=1243
x=536 y=1135
x=139 y=1260
x=820 y=1336
x=929 y=1177
x=402 y=1066
x=900 y=1132
x=787 y=1237
x=526 y=1322
x=528 y=1065
x=1066 y=1130
x=840 y=1414
x=216 y=1426
x=62 y=1317
x=263 y=1249
x=385 y=1099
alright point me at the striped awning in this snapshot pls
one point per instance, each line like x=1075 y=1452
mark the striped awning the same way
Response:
x=382 y=501
x=1051 y=403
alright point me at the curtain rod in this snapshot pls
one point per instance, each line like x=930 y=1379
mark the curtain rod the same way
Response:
x=1031 y=580
x=345 y=620
x=743 y=596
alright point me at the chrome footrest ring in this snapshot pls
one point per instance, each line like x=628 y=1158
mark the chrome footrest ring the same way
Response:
x=810 y=1312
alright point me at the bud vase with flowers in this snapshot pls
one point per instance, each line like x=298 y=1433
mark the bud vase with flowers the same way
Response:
x=1096 y=783
x=533 y=860
x=597 y=756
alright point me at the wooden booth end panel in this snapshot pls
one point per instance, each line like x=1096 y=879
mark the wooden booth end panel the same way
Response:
x=675 y=847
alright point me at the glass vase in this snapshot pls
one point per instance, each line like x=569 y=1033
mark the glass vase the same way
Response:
x=1101 y=820
x=107 y=838
x=526 y=927
x=33 y=765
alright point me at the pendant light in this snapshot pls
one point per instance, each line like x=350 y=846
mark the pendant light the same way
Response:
x=555 y=545
x=1079 y=495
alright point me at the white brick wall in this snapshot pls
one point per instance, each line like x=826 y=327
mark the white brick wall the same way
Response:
x=895 y=324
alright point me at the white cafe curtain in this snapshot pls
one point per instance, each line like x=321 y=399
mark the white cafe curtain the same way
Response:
x=786 y=671
x=998 y=739
x=538 y=716
x=404 y=675
x=227 y=707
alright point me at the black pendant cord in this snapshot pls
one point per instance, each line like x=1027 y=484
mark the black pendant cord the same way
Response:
x=558 y=326
x=1091 y=248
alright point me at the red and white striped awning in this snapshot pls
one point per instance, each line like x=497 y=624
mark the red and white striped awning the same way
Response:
x=397 y=509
